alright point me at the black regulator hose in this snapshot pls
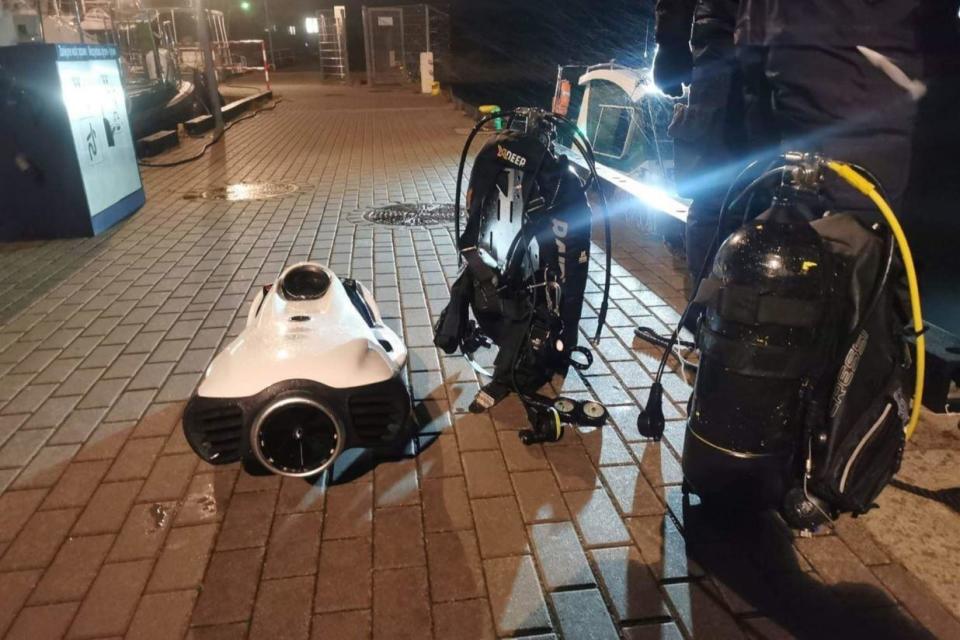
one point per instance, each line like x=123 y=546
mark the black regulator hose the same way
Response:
x=586 y=150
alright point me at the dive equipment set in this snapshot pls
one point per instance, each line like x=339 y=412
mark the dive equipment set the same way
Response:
x=316 y=371
x=525 y=248
x=801 y=399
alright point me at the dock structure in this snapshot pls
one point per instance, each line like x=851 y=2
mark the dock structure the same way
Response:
x=110 y=526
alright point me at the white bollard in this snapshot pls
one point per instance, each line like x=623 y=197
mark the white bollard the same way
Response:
x=426 y=71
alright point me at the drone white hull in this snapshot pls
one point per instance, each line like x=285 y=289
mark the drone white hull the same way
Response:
x=315 y=371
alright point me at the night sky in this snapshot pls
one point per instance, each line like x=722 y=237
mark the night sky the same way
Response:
x=518 y=45
x=555 y=31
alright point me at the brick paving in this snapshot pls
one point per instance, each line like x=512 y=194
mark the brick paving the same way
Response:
x=110 y=527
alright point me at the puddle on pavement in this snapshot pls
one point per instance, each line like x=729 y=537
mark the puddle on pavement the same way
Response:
x=246 y=191
x=160 y=515
x=200 y=504
x=206 y=503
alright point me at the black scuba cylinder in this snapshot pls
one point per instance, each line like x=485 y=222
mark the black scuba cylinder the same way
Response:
x=761 y=341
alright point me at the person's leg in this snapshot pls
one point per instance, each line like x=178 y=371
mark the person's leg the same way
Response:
x=848 y=110
x=701 y=229
x=762 y=132
x=708 y=141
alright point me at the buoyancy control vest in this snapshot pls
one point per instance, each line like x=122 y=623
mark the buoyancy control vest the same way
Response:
x=801 y=389
x=801 y=399
x=525 y=250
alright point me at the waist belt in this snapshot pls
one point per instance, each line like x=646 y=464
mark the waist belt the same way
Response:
x=759 y=360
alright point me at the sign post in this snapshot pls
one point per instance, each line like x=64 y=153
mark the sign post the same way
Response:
x=269 y=29
x=208 y=69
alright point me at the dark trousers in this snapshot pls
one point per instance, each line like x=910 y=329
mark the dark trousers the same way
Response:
x=710 y=142
x=829 y=101
x=833 y=102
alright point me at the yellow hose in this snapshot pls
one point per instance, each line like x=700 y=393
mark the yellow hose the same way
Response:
x=867 y=188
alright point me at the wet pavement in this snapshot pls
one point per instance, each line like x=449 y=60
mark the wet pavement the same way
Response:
x=111 y=527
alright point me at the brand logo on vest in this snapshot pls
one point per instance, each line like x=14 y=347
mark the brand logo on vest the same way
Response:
x=513 y=158
x=560 y=229
x=847 y=372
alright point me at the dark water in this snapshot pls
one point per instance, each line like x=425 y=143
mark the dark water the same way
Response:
x=507 y=53
x=532 y=93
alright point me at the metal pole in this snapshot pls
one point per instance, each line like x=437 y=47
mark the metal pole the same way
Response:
x=266 y=69
x=208 y=68
x=426 y=9
x=403 y=46
x=156 y=52
x=43 y=37
x=368 y=46
x=76 y=8
x=321 y=36
x=223 y=44
x=341 y=20
x=266 y=17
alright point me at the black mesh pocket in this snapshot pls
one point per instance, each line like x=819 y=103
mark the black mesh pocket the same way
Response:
x=866 y=459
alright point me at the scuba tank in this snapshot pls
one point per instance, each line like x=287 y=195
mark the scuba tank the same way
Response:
x=801 y=396
x=525 y=250
x=764 y=329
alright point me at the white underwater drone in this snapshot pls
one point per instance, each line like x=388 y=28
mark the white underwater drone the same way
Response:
x=314 y=372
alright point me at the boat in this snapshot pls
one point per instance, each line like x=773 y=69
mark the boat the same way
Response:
x=625 y=117
x=160 y=58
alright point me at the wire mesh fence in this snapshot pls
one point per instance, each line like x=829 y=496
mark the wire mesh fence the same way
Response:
x=395 y=36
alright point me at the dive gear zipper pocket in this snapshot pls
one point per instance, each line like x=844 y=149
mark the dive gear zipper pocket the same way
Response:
x=860 y=446
x=865 y=461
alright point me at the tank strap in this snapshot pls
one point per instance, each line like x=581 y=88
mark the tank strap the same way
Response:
x=748 y=306
x=762 y=361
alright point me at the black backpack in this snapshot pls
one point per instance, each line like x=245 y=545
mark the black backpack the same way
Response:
x=860 y=445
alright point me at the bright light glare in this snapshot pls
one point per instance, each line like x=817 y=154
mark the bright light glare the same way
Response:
x=312 y=25
x=774 y=263
x=292 y=30
x=650 y=195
